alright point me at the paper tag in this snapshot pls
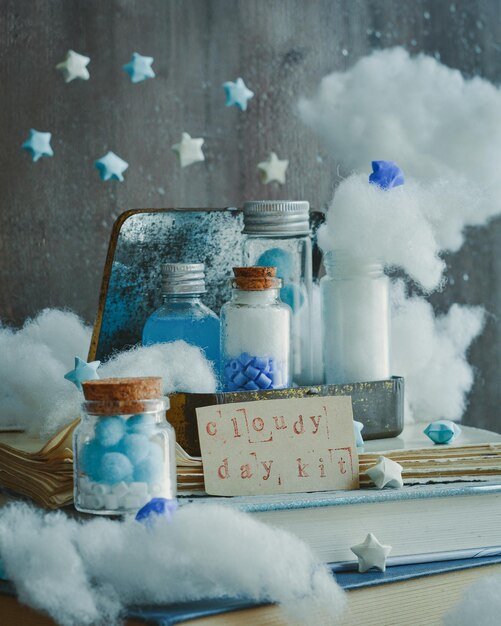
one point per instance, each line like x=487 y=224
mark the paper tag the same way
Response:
x=278 y=446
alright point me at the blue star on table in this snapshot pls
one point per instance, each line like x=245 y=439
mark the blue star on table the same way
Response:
x=139 y=68
x=83 y=371
x=111 y=166
x=237 y=94
x=38 y=144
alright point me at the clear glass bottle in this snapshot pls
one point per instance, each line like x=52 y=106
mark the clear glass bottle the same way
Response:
x=278 y=234
x=183 y=314
x=356 y=319
x=124 y=449
x=255 y=333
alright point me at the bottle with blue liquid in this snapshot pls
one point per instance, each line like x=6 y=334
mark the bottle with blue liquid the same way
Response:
x=183 y=315
x=278 y=234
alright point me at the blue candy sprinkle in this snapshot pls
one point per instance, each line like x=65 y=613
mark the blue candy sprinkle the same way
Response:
x=235 y=366
x=245 y=358
x=386 y=174
x=115 y=467
x=251 y=372
x=140 y=423
x=149 y=471
x=240 y=380
x=263 y=382
x=136 y=447
x=109 y=431
x=251 y=386
x=260 y=363
x=157 y=507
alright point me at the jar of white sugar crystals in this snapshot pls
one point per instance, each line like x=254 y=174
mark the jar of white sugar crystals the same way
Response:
x=255 y=333
x=356 y=319
x=124 y=449
x=278 y=234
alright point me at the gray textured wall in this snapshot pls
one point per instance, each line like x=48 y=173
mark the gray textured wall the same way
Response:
x=56 y=215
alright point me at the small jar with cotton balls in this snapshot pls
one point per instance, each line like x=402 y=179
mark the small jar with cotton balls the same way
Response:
x=255 y=333
x=277 y=233
x=124 y=449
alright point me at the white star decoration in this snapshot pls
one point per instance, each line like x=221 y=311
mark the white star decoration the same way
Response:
x=386 y=473
x=111 y=166
x=357 y=428
x=371 y=553
x=273 y=169
x=139 y=68
x=237 y=94
x=38 y=144
x=74 y=66
x=189 y=150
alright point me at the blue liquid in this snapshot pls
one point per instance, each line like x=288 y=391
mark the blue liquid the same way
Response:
x=201 y=331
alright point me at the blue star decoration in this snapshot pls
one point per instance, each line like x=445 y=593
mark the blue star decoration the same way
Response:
x=139 y=68
x=386 y=174
x=38 y=144
x=111 y=166
x=237 y=94
x=83 y=371
x=157 y=507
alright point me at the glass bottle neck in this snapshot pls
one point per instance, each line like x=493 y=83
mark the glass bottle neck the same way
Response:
x=181 y=297
x=343 y=264
x=264 y=296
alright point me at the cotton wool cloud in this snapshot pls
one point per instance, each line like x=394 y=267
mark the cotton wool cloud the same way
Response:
x=441 y=129
x=88 y=572
x=34 y=394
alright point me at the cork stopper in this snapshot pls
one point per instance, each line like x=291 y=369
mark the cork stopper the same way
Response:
x=256 y=278
x=112 y=396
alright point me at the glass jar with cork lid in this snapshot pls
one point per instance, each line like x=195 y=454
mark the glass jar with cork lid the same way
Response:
x=255 y=333
x=124 y=449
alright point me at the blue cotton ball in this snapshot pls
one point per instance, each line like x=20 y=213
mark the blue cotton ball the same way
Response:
x=115 y=468
x=281 y=259
x=149 y=471
x=140 y=423
x=135 y=446
x=109 y=431
x=90 y=456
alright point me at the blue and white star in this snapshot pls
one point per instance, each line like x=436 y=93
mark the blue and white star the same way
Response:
x=237 y=94
x=357 y=428
x=83 y=371
x=111 y=166
x=139 y=68
x=189 y=150
x=38 y=144
x=74 y=66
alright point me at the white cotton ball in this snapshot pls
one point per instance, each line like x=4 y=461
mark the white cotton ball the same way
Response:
x=438 y=126
x=480 y=604
x=33 y=363
x=386 y=225
x=183 y=367
x=102 y=566
x=430 y=353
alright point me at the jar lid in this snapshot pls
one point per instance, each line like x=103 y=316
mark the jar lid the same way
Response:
x=256 y=278
x=147 y=388
x=183 y=278
x=270 y=218
x=123 y=396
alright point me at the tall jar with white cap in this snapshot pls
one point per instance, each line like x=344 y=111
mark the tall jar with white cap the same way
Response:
x=183 y=315
x=356 y=319
x=278 y=234
x=255 y=333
